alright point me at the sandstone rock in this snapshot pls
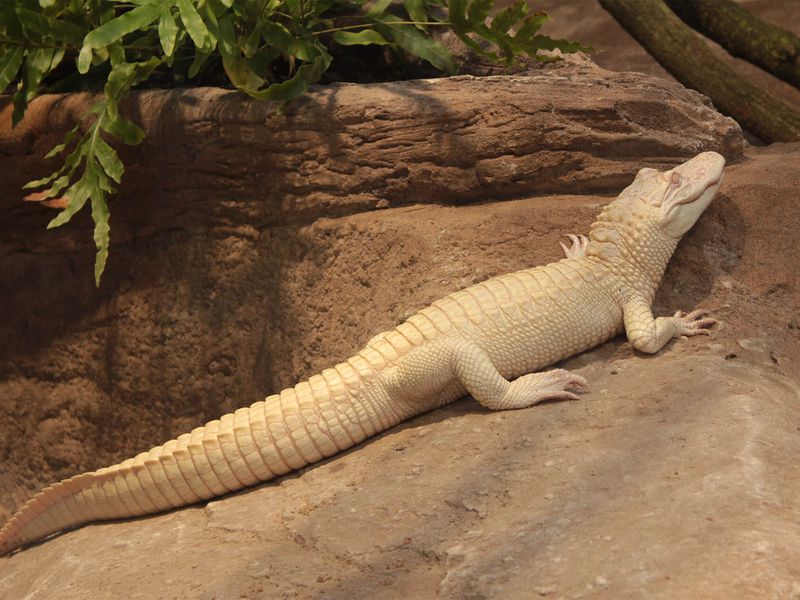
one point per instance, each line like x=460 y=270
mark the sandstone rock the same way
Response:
x=615 y=49
x=228 y=278
x=235 y=162
x=201 y=315
x=673 y=478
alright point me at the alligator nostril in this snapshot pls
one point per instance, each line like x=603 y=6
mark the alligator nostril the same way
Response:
x=675 y=179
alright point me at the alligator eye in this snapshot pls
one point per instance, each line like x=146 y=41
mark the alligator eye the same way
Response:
x=675 y=179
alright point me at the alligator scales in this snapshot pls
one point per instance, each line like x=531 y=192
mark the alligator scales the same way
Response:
x=487 y=340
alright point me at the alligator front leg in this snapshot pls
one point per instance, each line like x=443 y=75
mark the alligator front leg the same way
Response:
x=476 y=372
x=578 y=247
x=650 y=334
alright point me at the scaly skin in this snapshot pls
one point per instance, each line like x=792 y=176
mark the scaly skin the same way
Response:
x=473 y=341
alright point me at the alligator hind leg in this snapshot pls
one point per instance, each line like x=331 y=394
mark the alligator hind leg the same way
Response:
x=474 y=369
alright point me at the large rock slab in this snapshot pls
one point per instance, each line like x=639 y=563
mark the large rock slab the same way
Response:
x=564 y=500
x=213 y=157
x=231 y=274
x=673 y=478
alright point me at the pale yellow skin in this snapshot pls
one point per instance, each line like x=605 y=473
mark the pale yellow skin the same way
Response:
x=473 y=341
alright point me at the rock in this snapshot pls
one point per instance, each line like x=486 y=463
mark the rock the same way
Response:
x=681 y=484
x=616 y=50
x=674 y=475
x=237 y=163
x=234 y=267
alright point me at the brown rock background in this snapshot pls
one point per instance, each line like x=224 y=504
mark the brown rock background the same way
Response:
x=674 y=477
x=229 y=281
x=252 y=249
x=615 y=49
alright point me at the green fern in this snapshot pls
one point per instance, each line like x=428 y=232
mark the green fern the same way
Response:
x=123 y=43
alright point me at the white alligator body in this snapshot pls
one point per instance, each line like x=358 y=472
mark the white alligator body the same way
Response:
x=473 y=341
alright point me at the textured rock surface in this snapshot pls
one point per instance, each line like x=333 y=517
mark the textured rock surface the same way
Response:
x=208 y=304
x=674 y=475
x=682 y=489
x=233 y=161
x=615 y=49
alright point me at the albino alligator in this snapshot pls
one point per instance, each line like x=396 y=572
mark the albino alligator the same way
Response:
x=471 y=341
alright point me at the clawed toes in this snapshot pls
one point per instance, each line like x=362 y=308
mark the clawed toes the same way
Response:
x=577 y=382
x=696 y=322
x=558 y=384
x=705 y=322
x=578 y=247
x=563 y=379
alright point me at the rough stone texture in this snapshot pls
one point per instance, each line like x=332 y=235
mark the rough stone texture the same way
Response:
x=633 y=492
x=223 y=286
x=675 y=476
x=615 y=49
x=233 y=161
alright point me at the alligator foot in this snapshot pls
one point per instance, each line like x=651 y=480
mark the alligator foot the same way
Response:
x=548 y=385
x=578 y=247
x=696 y=322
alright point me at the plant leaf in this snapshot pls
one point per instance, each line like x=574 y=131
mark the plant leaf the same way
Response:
x=10 y=62
x=124 y=130
x=59 y=148
x=108 y=159
x=54 y=190
x=167 y=31
x=200 y=58
x=237 y=70
x=45 y=26
x=417 y=12
x=531 y=25
x=37 y=64
x=116 y=54
x=478 y=11
x=100 y=215
x=510 y=15
x=251 y=42
x=58 y=185
x=126 y=75
x=84 y=60
x=114 y=30
x=306 y=75
x=417 y=43
x=280 y=37
x=292 y=88
x=194 y=25
x=364 y=37
x=457 y=13
x=378 y=8
x=77 y=195
x=261 y=60
x=542 y=42
x=40 y=182
x=211 y=23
